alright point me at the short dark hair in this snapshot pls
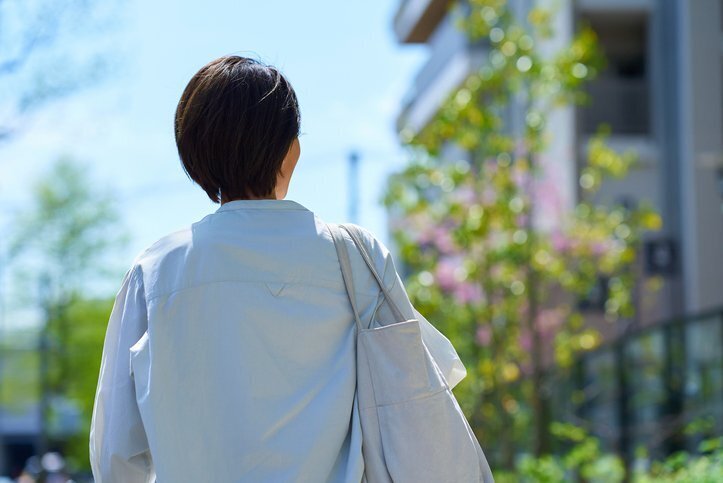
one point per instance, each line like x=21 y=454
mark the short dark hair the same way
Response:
x=235 y=122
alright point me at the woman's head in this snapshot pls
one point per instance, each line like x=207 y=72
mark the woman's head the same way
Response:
x=237 y=124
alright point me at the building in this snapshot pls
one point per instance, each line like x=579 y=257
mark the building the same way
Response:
x=662 y=95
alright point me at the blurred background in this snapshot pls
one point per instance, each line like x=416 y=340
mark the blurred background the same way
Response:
x=548 y=174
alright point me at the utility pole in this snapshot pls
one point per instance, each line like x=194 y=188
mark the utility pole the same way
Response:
x=3 y=354
x=43 y=348
x=354 y=186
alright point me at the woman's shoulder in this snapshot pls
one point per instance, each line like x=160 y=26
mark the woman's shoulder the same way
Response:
x=376 y=249
x=172 y=242
x=373 y=244
x=169 y=247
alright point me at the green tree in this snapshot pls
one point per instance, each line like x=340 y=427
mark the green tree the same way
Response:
x=63 y=242
x=502 y=286
x=81 y=356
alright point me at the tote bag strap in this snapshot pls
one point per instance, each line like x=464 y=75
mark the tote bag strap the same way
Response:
x=357 y=238
x=343 y=255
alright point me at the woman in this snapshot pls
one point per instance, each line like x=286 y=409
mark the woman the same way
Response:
x=230 y=352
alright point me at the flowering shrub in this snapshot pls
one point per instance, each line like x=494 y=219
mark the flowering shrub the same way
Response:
x=495 y=256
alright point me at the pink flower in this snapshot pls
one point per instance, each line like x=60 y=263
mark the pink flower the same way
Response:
x=484 y=335
x=520 y=178
x=465 y=195
x=442 y=239
x=466 y=292
x=549 y=199
x=525 y=341
x=444 y=272
x=548 y=320
x=600 y=248
x=560 y=242
x=489 y=195
x=424 y=237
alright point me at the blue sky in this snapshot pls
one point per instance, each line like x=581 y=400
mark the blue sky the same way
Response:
x=341 y=57
x=348 y=71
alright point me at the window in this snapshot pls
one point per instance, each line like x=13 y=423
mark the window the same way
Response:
x=619 y=95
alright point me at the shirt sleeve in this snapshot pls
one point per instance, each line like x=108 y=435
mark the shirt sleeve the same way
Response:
x=439 y=346
x=119 y=450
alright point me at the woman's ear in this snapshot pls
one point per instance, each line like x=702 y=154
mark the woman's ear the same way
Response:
x=287 y=169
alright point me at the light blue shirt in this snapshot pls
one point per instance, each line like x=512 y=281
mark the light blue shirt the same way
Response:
x=230 y=354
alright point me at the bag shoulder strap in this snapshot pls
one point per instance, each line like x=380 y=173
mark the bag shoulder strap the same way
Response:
x=343 y=255
x=357 y=238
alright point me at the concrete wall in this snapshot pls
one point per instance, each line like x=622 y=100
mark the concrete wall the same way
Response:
x=701 y=125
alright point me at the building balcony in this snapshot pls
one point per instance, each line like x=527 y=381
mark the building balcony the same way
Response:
x=621 y=103
x=416 y=20
x=452 y=58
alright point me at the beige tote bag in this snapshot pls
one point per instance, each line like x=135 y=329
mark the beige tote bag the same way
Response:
x=413 y=429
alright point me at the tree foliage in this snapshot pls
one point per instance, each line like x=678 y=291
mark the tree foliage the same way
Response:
x=62 y=243
x=494 y=256
x=66 y=232
x=80 y=356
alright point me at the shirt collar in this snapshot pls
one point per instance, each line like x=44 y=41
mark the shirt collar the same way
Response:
x=263 y=204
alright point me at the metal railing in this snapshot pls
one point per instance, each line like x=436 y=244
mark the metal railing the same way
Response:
x=646 y=387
